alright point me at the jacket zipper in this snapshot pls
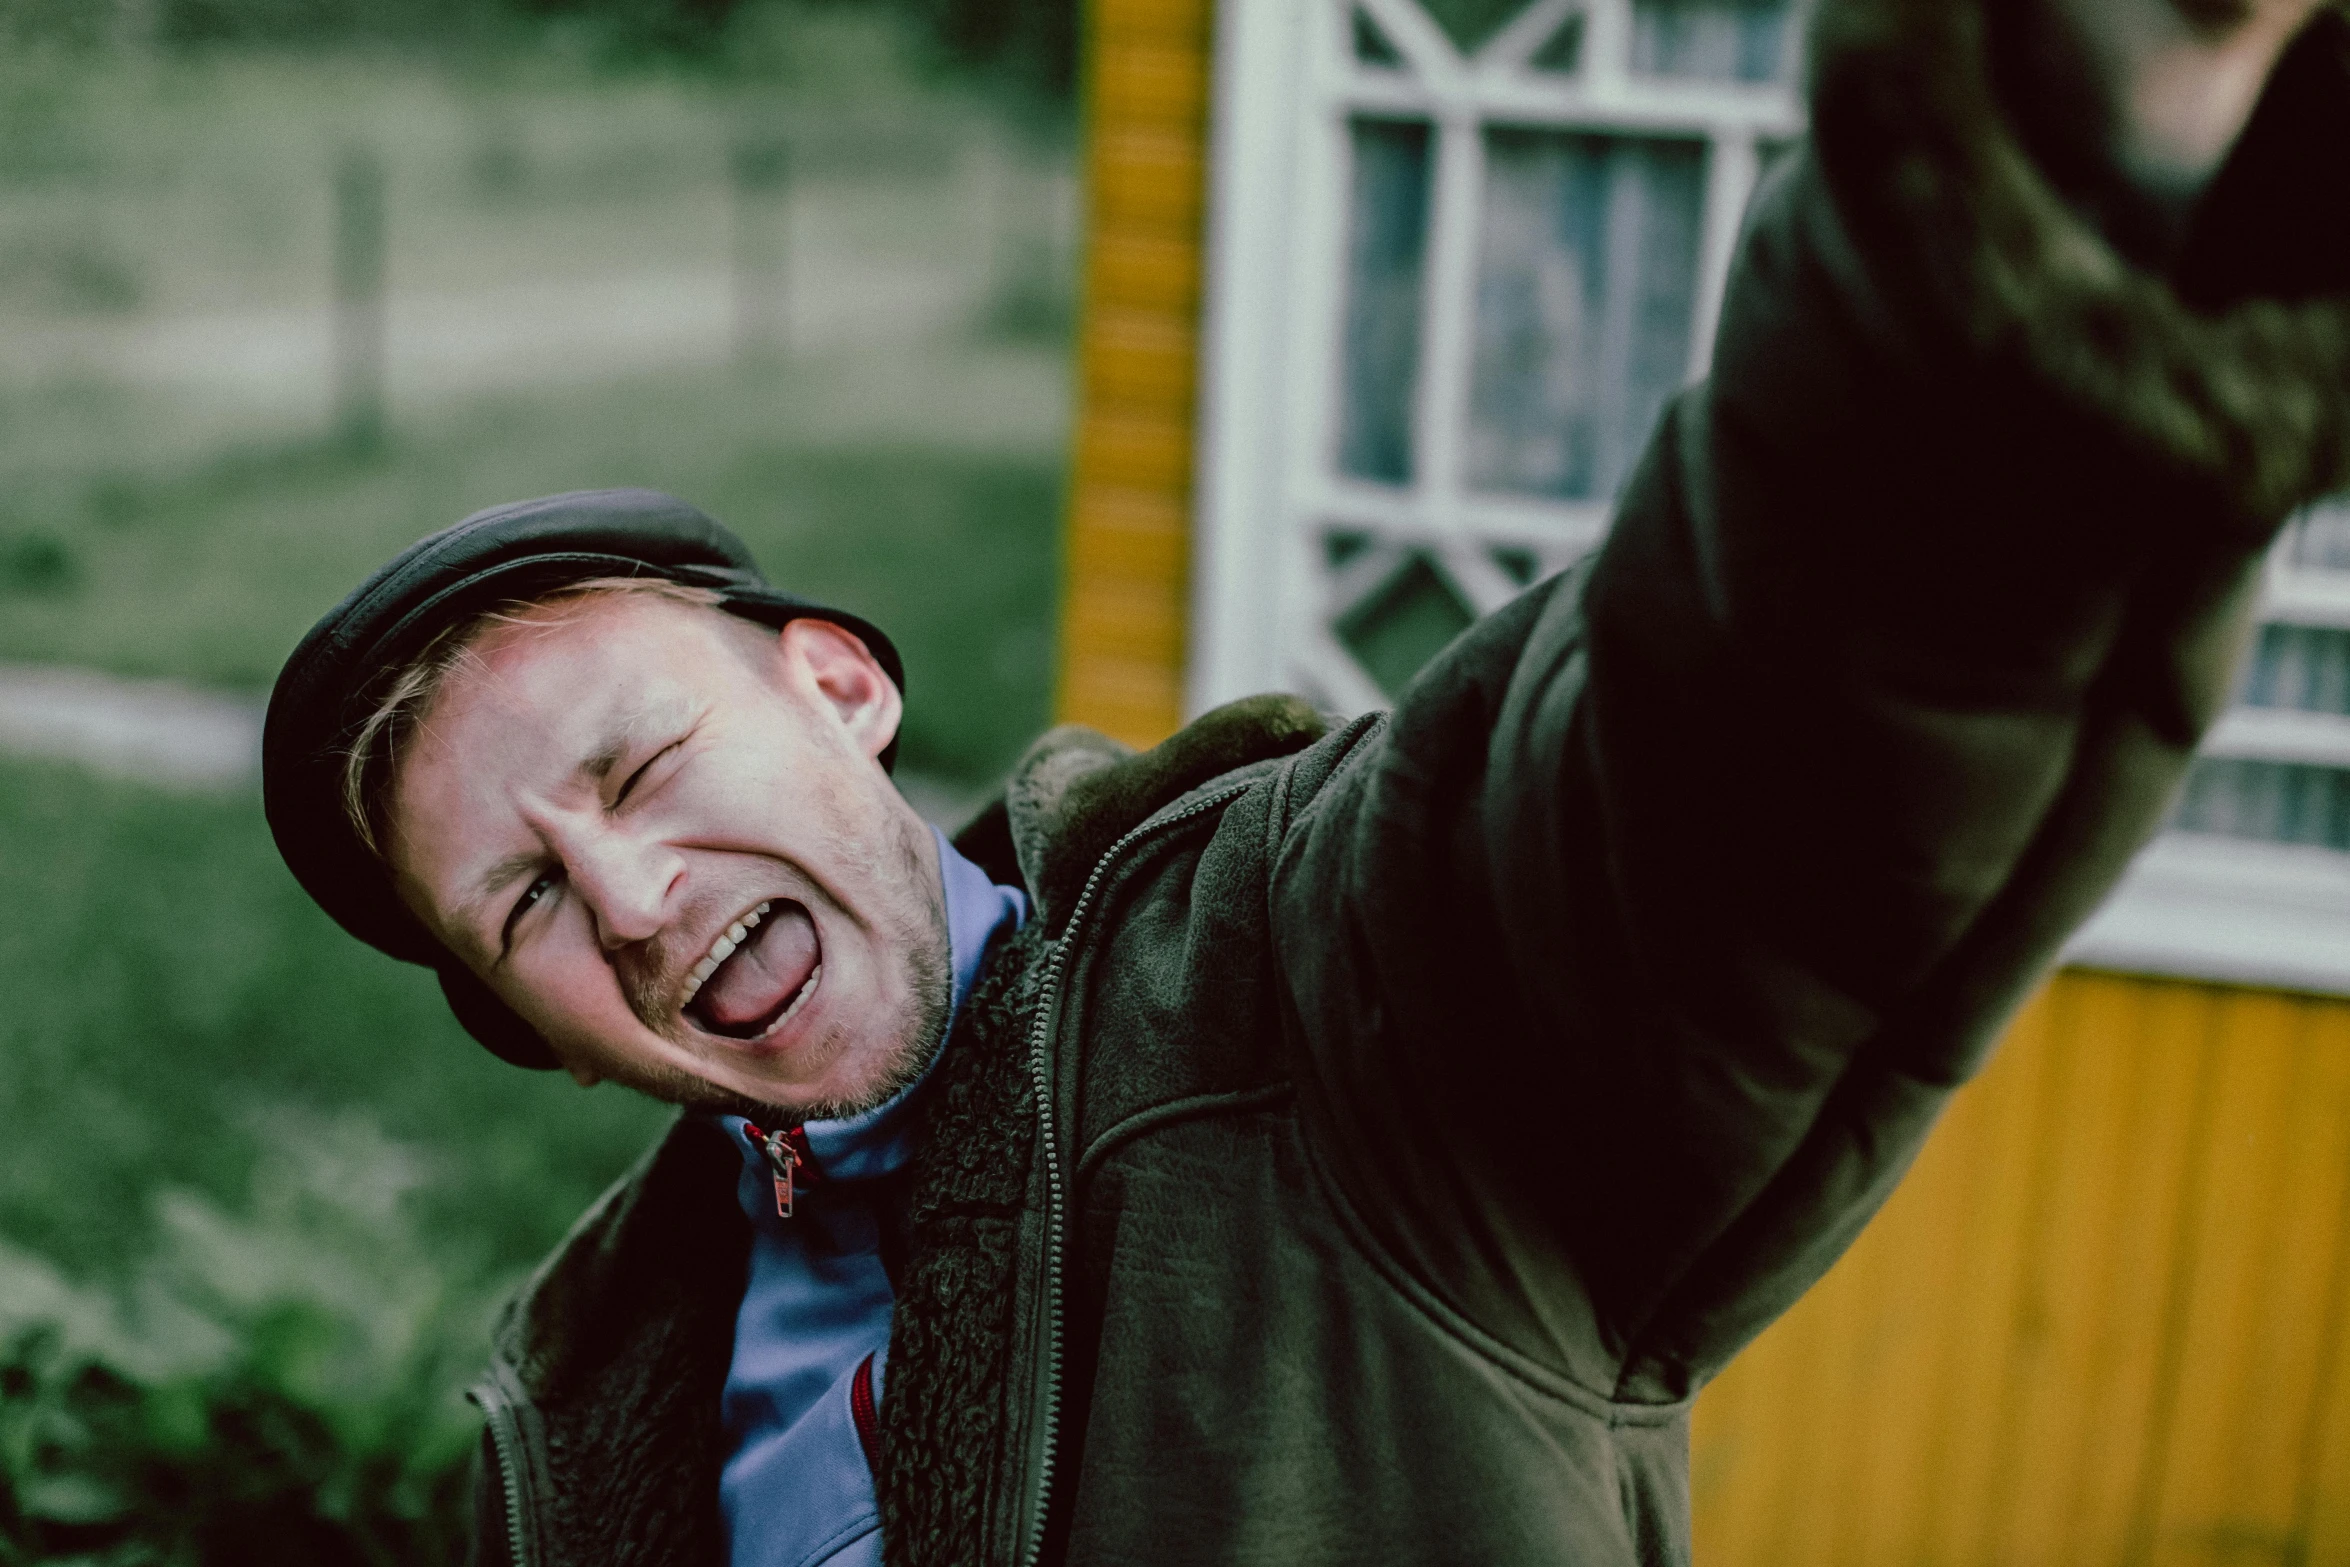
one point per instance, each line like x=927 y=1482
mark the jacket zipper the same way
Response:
x=784 y=1158
x=506 y=1443
x=1056 y=1224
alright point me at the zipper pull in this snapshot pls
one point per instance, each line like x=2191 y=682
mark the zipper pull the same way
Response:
x=783 y=1160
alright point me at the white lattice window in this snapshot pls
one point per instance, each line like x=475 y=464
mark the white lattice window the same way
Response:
x=1462 y=252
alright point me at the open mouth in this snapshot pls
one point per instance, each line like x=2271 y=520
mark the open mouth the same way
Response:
x=758 y=973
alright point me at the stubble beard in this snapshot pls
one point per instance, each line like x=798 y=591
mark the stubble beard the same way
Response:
x=925 y=960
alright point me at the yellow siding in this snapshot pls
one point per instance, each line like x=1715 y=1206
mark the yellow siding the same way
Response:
x=2100 y=1322
x=1126 y=569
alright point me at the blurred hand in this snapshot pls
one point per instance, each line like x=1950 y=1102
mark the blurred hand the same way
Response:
x=2178 y=78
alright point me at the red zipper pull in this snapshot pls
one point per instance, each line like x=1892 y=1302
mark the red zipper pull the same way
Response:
x=783 y=1160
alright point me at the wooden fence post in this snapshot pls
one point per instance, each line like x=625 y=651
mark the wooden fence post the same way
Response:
x=759 y=166
x=359 y=298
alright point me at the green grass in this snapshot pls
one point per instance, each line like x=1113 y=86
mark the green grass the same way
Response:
x=172 y=993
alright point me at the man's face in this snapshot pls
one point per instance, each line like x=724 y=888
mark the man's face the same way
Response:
x=660 y=833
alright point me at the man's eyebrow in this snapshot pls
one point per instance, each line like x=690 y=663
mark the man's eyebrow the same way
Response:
x=605 y=757
x=475 y=910
x=628 y=728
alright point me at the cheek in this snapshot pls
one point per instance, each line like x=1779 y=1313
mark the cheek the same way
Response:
x=740 y=787
x=562 y=985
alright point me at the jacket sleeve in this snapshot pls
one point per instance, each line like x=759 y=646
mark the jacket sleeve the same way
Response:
x=1634 y=956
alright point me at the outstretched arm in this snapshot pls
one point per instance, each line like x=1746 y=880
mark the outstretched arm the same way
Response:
x=1635 y=958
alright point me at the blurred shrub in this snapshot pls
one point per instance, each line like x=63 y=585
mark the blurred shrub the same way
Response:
x=1032 y=41
x=279 y=1385
x=76 y=270
x=303 y=21
x=35 y=562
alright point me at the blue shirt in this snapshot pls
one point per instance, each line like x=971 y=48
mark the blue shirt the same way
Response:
x=796 y=1488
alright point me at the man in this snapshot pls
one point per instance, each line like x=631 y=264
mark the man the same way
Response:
x=1361 y=1146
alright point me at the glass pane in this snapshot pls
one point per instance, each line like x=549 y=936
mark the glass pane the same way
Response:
x=1341 y=545
x=1371 y=45
x=1716 y=40
x=1771 y=156
x=1521 y=566
x=2278 y=802
x=1470 y=22
x=1387 y=237
x=1562 y=51
x=2301 y=667
x=1586 y=280
x=1404 y=622
x=2321 y=539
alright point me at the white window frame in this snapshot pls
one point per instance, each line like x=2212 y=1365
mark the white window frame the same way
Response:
x=1287 y=83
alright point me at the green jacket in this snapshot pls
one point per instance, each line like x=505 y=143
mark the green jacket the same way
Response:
x=1380 y=1136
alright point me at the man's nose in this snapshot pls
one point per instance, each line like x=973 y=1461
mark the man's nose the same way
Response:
x=630 y=886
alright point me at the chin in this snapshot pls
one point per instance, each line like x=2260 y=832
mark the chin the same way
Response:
x=863 y=1074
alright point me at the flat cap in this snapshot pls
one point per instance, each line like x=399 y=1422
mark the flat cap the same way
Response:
x=505 y=555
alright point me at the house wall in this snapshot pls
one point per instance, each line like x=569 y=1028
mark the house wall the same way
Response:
x=2101 y=1322
x=1126 y=565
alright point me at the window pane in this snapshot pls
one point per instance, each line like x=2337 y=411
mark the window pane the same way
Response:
x=2302 y=667
x=1371 y=45
x=1403 y=623
x=2280 y=802
x=1469 y=23
x=2321 y=538
x=1586 y=281
x=1562 y=51
x=1716 y=40
x=1387 y=237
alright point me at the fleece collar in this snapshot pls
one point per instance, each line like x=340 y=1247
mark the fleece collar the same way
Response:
x=1077 y=792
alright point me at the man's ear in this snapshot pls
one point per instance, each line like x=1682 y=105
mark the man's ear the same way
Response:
x=848 y=678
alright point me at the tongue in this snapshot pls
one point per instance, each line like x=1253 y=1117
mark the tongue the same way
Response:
x=763 y=973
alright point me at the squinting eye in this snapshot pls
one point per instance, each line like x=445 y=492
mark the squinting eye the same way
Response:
x=529 y=900
x=637 y=777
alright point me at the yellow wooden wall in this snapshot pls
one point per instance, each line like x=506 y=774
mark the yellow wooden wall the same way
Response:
x=1127 y=549
x=2100 y=1324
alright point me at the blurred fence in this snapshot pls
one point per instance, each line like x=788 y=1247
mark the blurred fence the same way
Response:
x=294 y=243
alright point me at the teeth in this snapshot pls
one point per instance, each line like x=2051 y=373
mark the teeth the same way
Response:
x=807 y=989
x=723 y=949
